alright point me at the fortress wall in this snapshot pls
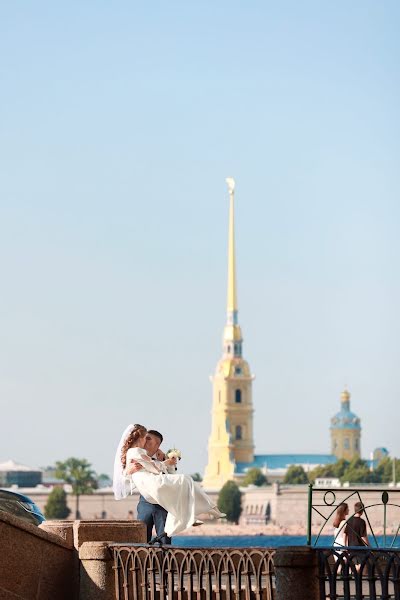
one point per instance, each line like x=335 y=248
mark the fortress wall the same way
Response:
x=286 y=505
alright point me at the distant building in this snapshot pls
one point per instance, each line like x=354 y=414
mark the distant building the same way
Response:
x=346 y=431
x=14 y=474
x=49 y=478
x=379 y=454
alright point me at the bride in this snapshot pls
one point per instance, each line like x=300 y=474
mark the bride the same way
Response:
x=183 y=498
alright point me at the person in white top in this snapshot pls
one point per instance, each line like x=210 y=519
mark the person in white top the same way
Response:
x=183 y=498
x=339 y=533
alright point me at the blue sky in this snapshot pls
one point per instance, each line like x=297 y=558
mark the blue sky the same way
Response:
x=118 y=125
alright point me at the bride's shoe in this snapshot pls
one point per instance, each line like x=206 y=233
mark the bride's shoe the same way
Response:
x=216 y=513
x=197 y=523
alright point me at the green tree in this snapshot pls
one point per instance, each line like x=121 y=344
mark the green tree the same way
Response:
x=384 y=471
x=79 y=474
x=196 y=477
x=358 y=471
x=103 y=481
x=336 y=469
x=230 y=501
x=56 y=505
x=295 y=474
x=255 y=476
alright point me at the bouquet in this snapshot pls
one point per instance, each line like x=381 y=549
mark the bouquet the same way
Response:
x=174 y=453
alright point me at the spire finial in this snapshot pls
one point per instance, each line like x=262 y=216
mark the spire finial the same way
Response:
x=232 y=301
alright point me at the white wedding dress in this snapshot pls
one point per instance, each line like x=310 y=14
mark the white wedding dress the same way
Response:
x=183 y=498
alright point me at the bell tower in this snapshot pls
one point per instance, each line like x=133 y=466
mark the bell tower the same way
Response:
x=346 y=431
x=231 y=439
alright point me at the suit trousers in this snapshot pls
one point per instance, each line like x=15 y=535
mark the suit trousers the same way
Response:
x=153 y=515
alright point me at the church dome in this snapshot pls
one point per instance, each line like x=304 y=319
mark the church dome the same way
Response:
x=345 y=419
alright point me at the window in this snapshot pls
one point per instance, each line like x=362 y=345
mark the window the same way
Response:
x=238 y=396
x=238 y=370
x=356 y=444
x=346 y=443
x=238 y=434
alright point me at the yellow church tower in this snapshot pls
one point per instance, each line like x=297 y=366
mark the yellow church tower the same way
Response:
x=346 y=431
x=231 y=439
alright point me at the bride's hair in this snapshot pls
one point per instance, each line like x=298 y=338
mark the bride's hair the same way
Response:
x=341 y=512
x=137 y=432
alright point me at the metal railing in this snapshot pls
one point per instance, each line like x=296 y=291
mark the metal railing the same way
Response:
x=381 y=512
x=169 y=572
x=359 y=573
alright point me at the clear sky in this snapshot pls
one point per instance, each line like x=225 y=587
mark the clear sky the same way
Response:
x=118 y=125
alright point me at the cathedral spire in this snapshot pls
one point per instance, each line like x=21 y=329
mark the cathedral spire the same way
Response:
x=232 y=298
x=232 y=333
x=231 y=439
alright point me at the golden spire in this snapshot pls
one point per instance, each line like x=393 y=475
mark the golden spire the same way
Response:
x=232 y=300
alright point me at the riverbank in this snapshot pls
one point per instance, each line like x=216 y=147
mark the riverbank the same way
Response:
x=210 y=529
x=230 y=529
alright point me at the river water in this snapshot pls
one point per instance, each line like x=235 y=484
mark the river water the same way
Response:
x=262 y=541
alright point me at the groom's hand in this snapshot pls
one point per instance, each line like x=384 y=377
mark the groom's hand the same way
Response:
x=133 y=467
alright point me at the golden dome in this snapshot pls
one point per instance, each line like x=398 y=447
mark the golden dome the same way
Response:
x=345 y=396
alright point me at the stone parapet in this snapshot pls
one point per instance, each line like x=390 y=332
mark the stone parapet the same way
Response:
x=296 y=573
x=97 y=581
x=35 y=564
x=77 y=533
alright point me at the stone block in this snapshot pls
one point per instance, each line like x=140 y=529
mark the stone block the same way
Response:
x=130 y=532
x=296 y=573
x=97 y=581
x=34 y=565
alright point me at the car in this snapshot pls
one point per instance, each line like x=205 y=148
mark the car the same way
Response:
x=20 y=506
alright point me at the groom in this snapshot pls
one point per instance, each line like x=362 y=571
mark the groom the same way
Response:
x=153 y=515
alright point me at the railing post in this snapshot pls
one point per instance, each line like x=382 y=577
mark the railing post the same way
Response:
x=309 y=516
x=97 y=580
x=296 y=573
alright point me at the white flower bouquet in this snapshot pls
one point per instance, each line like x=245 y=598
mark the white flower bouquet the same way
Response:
x=174 y=453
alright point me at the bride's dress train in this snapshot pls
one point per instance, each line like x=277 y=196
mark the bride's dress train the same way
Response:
x=182 y=497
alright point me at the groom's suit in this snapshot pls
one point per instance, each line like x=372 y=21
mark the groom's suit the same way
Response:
x=153 y=515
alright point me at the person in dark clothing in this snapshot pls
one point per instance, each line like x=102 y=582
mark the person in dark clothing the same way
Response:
x=356 y=528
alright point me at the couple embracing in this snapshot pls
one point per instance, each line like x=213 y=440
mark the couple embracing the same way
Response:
x=171 y=501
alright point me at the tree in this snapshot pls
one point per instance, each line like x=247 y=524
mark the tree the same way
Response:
x=103 y=481
x=230 y=501
x=384 y=470
x=358 y=471
x=196 y=477
x=328 y=471
x=56 y=505
x=79 y=474
x=296 y=475
x=255 y=476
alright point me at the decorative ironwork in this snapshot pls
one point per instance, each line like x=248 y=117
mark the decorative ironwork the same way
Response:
x=167 y=572
x=359 y=574
x=378 y=504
